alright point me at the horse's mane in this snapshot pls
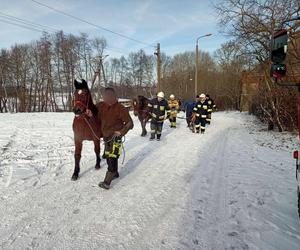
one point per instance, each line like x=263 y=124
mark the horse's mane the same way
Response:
x=92 y=106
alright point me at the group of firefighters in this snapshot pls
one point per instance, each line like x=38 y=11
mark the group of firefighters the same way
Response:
x=198 y=113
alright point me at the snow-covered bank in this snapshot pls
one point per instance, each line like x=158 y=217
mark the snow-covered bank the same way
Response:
x=232 y=188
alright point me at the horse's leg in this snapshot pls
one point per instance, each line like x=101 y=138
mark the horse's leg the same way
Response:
x=144 y=123
x=77 y=156
x=141 y=121
x=97 y=152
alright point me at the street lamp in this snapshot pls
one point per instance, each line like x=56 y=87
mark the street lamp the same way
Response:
x=196 y=62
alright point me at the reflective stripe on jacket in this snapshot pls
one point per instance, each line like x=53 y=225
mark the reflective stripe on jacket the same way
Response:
x=158 y=109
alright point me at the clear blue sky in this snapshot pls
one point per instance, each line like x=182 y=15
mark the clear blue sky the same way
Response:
x=174 y=23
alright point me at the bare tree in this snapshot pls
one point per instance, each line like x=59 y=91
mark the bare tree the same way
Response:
x=251 y=23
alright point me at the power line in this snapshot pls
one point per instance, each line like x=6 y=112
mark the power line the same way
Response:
x=23 y=23
x=27 y=22
x=90 y=23
x=42 y=31
x=22 y=26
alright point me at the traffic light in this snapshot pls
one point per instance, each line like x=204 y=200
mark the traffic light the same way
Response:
x=279 y=46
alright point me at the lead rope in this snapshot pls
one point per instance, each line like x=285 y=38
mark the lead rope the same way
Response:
x=123 y=149
x=91 y=128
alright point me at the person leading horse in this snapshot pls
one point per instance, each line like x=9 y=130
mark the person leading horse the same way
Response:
x=115 y=123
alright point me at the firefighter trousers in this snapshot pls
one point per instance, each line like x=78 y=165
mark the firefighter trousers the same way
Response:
x=156 y=128
x=112 y=152
x=208 y=118
x=200 y=124
x=173 y=121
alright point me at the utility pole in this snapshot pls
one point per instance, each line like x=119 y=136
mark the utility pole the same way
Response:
x=103 y=73
x=96 y=73
x=99 y=70
x=157 y=53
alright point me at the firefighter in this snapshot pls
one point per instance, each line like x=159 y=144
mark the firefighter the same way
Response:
x=158 y=107
x=200 y=114
x=211 y=106
x=174 y=107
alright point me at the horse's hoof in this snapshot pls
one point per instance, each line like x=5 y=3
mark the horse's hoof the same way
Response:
x=97 y=167
x=74 y=177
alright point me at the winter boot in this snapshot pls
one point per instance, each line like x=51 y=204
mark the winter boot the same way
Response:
x=107 y=180
x=116 y=176
x=152 y=137
x=158 y=137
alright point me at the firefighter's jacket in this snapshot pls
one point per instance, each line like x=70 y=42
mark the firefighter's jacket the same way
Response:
x=158 y=109
x=211 y=105
x=174 y=107
x=201 y=109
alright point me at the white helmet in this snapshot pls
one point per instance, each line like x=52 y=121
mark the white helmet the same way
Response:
x=202 y=96
x=172 y=96
x=161 y=94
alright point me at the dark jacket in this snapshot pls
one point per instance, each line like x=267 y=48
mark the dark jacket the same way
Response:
x=188 y=108
x=201 y=109
x=114 y=118
x=158 y=109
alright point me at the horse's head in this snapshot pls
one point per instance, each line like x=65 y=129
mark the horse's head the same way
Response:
x=82 y=97
x=138 y=104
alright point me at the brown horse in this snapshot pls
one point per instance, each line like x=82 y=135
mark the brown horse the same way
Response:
x=84 y=127
x=141 y=110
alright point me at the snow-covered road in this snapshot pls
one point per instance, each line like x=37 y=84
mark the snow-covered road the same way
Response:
x=231 y=188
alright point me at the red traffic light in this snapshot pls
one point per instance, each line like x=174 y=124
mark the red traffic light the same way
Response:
x=296 y=154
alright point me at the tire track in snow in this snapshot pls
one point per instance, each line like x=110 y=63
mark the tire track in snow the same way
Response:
x=210 y=211
x=215 y=209
x=7 y=155
x=209 y=204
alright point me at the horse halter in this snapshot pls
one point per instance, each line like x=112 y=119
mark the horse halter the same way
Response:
x=84 y=104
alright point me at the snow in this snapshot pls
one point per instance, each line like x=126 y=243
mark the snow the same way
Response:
x=231 y=188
